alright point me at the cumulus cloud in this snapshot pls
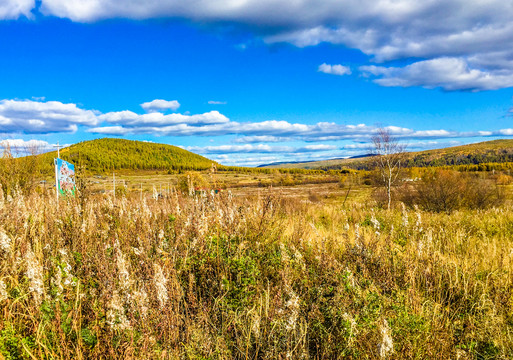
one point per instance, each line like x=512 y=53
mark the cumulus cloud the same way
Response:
x=334 y=69
x=214 y=102
x=259 y=149
x=268 y=131
x=446 y=73
x=160 y=105
x=259 y=139
x=317 y=147
x=245 y=159
x=13 y=9
x=154 y=119
x=25 y=147
x=40 y=117
x=34 y=117
x=507 y=132
x=479 y=33
x=248 y=148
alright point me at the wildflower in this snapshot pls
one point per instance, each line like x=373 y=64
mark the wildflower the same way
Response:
x=357 y=232
x=124 y=275
x=160 y=281
x=35 y=275
x=386 y=347
x=418 y=223
x=141 y=300
x=2 y=199
x=57 y=282
x=116 y=317
x=375 y=222
x=69 y=278
x=420 y=247
x=293 y=306
x=255 y=327
x=5 y=242
x=3 y=291
x=353 y=330
x=349 y=277
x=284 y=255
x=405 y=219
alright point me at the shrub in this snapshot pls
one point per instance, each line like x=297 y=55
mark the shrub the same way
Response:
x=446 y=191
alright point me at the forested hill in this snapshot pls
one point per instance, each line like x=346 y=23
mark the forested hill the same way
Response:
x=495 y=151
x=105 y=155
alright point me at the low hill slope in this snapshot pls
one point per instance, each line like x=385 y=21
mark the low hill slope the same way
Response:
x=495 y=151
x=105 y=155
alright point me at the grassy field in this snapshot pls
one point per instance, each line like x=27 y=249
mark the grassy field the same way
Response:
x=134 y=181
x=292 y=272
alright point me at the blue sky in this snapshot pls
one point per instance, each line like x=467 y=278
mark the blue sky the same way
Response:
x=252 y=82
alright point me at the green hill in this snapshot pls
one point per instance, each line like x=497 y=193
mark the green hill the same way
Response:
x=106 y=155
x=495 y=151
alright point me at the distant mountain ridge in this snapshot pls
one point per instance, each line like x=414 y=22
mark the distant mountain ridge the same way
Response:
x=277 y=164
x=107 y=154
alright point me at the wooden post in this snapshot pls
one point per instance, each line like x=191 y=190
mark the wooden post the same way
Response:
x=114 y=181
x=56 y=185
x=57 y=175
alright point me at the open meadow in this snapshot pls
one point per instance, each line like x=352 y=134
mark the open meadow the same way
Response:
x=313 y=271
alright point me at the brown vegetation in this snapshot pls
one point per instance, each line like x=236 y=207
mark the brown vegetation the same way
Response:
x=211 y=276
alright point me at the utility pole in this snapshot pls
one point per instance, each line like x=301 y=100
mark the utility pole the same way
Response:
x=56 y=174
x=58 y=150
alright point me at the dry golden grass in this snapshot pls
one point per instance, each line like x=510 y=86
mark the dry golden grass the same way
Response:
x=252 y=277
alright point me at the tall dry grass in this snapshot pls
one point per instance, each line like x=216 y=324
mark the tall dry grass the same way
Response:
x=217 y=277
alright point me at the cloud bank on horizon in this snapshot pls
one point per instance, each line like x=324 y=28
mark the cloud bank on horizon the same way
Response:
x=18 y=117
x=454 y=44
x=44 y=117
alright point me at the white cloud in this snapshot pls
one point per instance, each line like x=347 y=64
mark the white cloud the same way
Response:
x=110 y=130
x=13 y=9
x=334 y=69
x=479 y=33
x=248 y=148
x=124 y=123
x=131 y=119
x=446 y=73
x=222 y=150
x=317 y=147
x=506 y=132
x=23 y=147
x=160 y=105
x=33 y=117
x=245 y=159
x=214 y=102
x=259 y=139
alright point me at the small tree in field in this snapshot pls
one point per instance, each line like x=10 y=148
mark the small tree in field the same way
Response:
x=388 y=160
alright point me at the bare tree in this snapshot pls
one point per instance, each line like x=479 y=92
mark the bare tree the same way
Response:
x=388 y=160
